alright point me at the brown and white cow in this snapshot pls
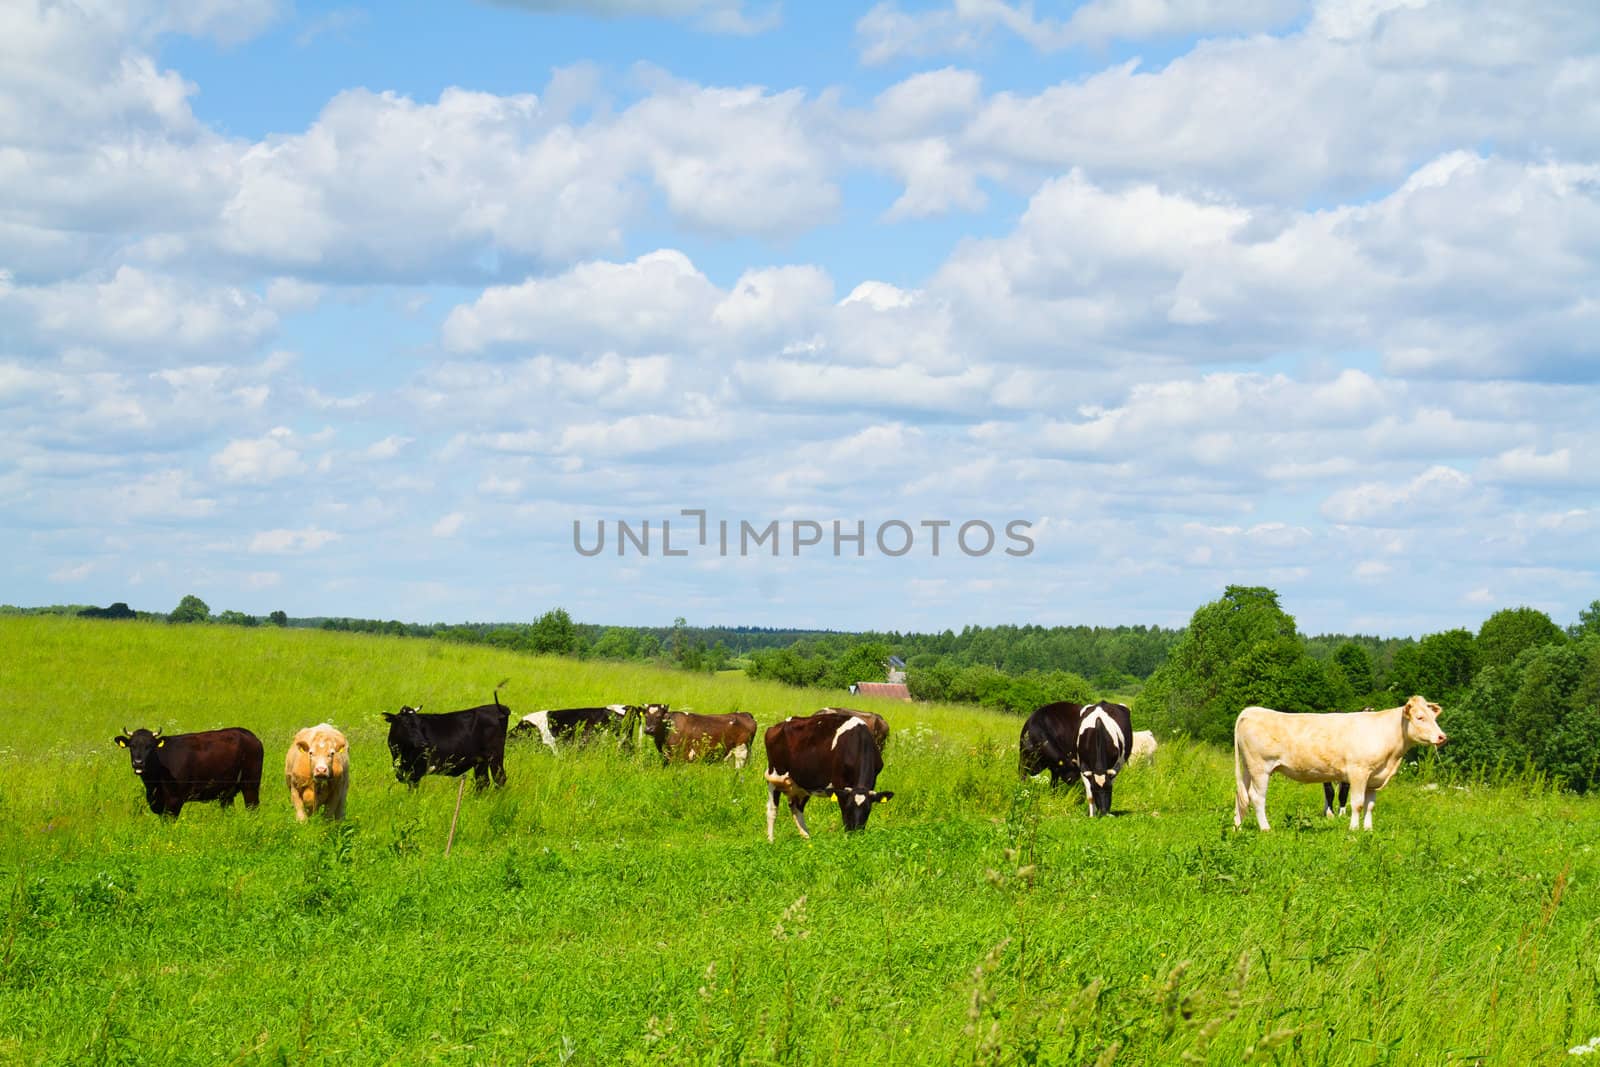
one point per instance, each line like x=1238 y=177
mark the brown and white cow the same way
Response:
x=317 y=771
x=1359 y=747
x=829 y=754
x=873 y=721
x=686 y=736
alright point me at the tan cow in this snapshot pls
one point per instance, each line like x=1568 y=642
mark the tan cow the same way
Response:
x=317 y=770
x=1359 y=747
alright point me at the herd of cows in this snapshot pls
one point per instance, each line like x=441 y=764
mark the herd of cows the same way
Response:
x=835 y=753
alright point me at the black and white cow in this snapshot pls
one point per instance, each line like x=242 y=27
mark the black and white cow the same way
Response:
x=1049 y=742
x=450 y=743
x=829 y=754
x=1105 y=734
x=557 y=725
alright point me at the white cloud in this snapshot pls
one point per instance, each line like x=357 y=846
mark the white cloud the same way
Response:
x=262 y=579
x=1436 y=492
x=260 y=459
x=718 y=16
x=387 y=448
x=72 y=572
x=886 y=33
x=448 y=525
x=285 y=541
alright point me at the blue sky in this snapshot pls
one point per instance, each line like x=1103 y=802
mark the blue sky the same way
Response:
x=349 y=309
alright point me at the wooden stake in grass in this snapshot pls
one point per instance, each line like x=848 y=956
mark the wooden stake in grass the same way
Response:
x=454 y=816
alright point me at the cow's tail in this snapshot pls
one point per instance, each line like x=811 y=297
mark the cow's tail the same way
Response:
x=1241 y=779
x=502 y=685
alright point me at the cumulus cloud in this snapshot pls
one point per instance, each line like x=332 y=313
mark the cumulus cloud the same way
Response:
x=260 y=459
x=887 y=33
x=717 y=16
x=283 y=541
x=1436 y=492
x=448 y=525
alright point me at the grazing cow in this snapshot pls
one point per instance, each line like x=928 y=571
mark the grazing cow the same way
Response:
x=209 y=765
x=874 y=722
x=317 y=770
x=565 y=724
x=1049 y=742
x=1105 y=733
x=1362 y=748
x=450 y=743
x=686 y=736
x=829 y=754
x=1144 y=745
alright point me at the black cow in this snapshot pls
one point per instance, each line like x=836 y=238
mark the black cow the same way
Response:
x=1105 y=732
x=450 y=743
x=564 y=724
x=1049 y=742
x=209 y=765
x=830 y=754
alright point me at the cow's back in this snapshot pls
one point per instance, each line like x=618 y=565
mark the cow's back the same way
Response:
x=1316 y=746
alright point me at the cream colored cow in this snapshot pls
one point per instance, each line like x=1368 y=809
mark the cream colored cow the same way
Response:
x=317 y=770
x=1360 y=747
x=1144 y=746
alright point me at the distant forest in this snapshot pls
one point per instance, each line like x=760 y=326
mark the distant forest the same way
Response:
x=1009 y=667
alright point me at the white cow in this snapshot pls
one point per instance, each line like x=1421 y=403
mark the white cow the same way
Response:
x=1360 y=747
x=1144 y=745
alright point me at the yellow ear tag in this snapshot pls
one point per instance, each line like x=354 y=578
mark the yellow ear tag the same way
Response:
x=161 y=743
x=121 y=742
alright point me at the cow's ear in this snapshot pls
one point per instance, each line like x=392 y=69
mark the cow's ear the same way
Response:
x=339 y=746
x=301 y=745
x=883 y=798
x=121 y=742
x=161 y=742
x=389 y=716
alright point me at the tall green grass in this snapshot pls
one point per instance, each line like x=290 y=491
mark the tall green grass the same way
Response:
x=605 y=910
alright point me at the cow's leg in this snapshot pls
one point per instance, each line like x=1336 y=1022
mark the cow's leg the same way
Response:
x=1358 y=799
x=1372 y=800
x=1344 y=796
x=498 y=769
x=1105 y=798
x=740 y=754
x=1327 y=800
x=298 y=801
x=251 y=788
x=797 y=808
x=480 y=776
x=772 y=810
x=1088 y=793
x=1258 y=794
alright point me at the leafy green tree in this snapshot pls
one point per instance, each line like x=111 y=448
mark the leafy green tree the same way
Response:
x=1588 y=621
x=1505 y=634
x=1239 y=650
x=553 y=634
x=614 y=643
x=190 y=609
x=1355 y=664
x=1440 y=666
x=862 y=663
x=237 y=618
x=278 y=618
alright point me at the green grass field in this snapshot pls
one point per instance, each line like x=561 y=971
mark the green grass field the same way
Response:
x=601 y=910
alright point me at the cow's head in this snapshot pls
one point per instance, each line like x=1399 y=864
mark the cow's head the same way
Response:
x=406 y=739
x=1420 y=720
x=321 y=746
x=141 y=746
x=655 y=718
x=856 y=804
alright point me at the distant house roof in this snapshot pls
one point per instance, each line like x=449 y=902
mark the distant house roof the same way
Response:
x=897 y=663
x=892 y=690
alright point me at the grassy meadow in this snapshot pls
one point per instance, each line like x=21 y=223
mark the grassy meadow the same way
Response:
x=606 y=910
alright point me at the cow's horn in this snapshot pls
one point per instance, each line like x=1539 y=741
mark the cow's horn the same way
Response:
x=156 y=732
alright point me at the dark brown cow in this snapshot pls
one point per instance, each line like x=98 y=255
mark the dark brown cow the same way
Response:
x=829 y=754
x=686 y=736
x=875 y=722
x=209 y=765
